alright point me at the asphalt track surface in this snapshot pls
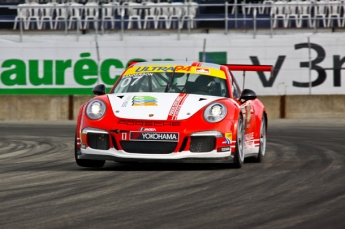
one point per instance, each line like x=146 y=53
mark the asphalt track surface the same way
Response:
x=301 y=184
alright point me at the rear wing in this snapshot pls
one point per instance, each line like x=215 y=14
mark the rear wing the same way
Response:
x=249 y=68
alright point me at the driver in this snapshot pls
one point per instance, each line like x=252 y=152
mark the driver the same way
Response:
x=204 y=84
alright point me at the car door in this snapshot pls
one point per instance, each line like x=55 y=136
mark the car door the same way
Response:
x=248 y=110
x=249 y=116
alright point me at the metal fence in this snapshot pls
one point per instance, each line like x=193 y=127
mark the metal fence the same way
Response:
x=236 y=16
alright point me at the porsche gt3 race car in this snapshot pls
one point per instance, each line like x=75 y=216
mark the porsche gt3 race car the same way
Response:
x=173 y=112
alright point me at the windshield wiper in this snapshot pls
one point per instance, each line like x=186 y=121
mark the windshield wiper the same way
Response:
x=171 y=80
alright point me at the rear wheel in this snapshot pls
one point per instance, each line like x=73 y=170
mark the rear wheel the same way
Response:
x=85 y=162
x=239 y=153
x=262 y=147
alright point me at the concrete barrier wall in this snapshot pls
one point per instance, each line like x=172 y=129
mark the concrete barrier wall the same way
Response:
x=14 y=107
x=78 y=101
x=304 y=106
x=24 y=107
x=317 y=106
x=272 y=104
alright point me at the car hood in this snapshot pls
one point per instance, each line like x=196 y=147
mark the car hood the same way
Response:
x=157 y=106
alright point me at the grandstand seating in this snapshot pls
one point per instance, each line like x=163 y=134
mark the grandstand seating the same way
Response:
x=278 y=11
x=163 y=15
x=34 y=15
x=109 y=13
x=177 y=11
x=266 y=6
x=88 y=14
x=134 y=14
x=292 y=12
x=151 y=15
x=22 y=15
x=189 y=14
x=91 y=14
x=61 y=15
x=305 y=12
x=334 y=11
x=75 y=14
x=320 y=12
x=47 y=14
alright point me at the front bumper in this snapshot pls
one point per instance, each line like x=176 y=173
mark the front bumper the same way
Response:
x=192 y=146
x=181 y=157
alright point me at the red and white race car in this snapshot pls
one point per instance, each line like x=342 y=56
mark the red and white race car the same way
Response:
x=173 y=112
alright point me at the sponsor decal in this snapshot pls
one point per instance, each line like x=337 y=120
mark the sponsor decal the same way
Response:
x=154 y=69
x=249 y=140
x=198 y=64
x=228 y=138
x=223 y=149
x=147 y=129
x=203 y=70
x=139 y=74
x=124 y=136
x=162 y=68
x=153 y=136
x=76 y=72
x=175 y=108
x=130 y=81
x=144 y=101
x=124 y=104
x=246 y=109
x=66 y=76
x=148 y=123
x=183 y=68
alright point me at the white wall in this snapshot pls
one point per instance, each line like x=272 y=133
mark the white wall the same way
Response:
x=326 y=51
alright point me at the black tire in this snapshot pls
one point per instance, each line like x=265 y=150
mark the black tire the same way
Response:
x=263 y=136
x=239 y=153
x=85 y=162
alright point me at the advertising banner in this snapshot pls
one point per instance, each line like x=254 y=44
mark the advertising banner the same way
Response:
x=303 y=64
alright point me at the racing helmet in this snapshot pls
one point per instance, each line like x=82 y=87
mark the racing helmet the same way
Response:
x=205 y=83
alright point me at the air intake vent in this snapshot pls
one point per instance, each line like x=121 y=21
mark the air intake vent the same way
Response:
x=149 y=147
x=202 y=144
x=98 y=141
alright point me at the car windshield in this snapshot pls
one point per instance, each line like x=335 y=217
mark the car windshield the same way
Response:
x=178 y=79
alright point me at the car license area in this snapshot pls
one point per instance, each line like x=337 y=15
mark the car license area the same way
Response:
x=153 y=136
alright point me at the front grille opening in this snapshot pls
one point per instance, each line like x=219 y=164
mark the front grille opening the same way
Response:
x=202 y=144
x=149 y=147
x=98 y=141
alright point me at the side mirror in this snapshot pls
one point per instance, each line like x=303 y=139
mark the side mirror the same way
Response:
x=99 y=89
x=248 y=94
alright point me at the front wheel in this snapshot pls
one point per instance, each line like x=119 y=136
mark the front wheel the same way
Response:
x=239 y=153
x=85 y=162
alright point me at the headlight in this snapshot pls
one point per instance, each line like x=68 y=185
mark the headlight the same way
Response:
x=95 y=109
x=215 y=112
